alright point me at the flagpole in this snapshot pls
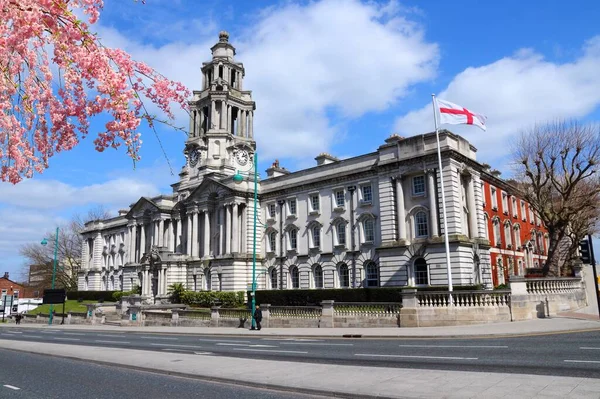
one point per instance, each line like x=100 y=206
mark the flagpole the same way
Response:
x=437 y=137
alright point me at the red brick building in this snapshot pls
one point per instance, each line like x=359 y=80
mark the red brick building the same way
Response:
x=9 y=287
x=519 y=240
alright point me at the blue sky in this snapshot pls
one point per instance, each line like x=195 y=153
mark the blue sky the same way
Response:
x=335 y=76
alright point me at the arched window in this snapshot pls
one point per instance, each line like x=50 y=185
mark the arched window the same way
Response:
x=318 y=276
x=273 y=278
x=517 y=229
x=421 y=272
x=294 y=277
x=372 y=274
x=369 y=226
x=497 y=237
x=421 y=226
x=508 y=233
x=112 y=283
x=344 y=275
x=86 y=283
x=340 y=230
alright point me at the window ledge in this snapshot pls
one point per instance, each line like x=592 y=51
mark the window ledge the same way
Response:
x=367 y=243
x=292 y=252
x=270 y=220
x=314 y=213
x=340 y=246
x=365 y=203
x=294 y=216
x=339 y=209
x=314 y=249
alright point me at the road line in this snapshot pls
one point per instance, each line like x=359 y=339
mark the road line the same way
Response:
x=253 y=345
x=67 y=333
x=156 y=337
x=588 y=348
x=314 y=343
x=31 y=336
x=178 y=346
x=203 y=353
x=12 y=387
x=221 y=340
x=15 y=332
x=269 y=350
x=112 y=342
x=419 y=357
x=67 y=339
x=293 y=339
x=455 y=346
x=176 y=350
x=582 y=361
x=109 y=335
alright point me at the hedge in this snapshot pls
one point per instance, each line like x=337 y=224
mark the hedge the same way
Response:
x=91 y=295
x=210 y=298
x=314 y=297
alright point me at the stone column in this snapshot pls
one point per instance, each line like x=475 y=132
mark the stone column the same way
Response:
x=242 y=123
x=165 y=282
x=159 y=282
x=227 y=229
x=433 y=213
x=473 y=209
x=229 y=111
x=221 y=230
x=223 y=114
x=178 y=240
x=195 y=234
x=401 y=210
x=213 y=114
x=170 y=237
x=200 y=119
x=133 y=256
x=142 y=240
x=188 y=237
x=243 y=228
x=250 y=125
x=161 y=233
x=206 y=233
x=235 y=234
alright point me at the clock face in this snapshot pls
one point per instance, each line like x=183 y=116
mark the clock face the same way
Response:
x=194 y=156
x=242 y=157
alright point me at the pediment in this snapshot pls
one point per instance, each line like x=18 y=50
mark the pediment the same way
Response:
x=208 y=190
x=141 y=207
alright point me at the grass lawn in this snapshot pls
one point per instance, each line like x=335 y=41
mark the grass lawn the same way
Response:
x=70 y=306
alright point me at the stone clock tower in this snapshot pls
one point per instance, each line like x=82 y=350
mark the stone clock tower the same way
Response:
x=221 y=135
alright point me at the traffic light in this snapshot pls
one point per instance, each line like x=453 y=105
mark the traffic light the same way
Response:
x=584 y=251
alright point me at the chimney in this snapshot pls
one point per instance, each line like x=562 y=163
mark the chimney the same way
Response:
x=325 y=158
x=123 y=212
x=5 y=275
x=275 y=170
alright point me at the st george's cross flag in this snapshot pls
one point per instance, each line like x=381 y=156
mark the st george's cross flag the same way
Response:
x=456 y=115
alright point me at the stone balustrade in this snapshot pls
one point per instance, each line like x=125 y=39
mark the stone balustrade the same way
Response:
x=552 y=285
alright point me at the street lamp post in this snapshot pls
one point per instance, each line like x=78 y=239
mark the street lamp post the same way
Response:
x=45 y=242
x=238 y=178
x=352 y=245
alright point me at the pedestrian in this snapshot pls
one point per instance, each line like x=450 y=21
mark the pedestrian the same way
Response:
x=257 y=318
x=18 y=319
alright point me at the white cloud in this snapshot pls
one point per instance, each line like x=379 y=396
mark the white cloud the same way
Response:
x=514 y=93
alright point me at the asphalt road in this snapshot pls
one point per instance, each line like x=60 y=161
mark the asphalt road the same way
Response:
x=25 y=375
x=572 y=354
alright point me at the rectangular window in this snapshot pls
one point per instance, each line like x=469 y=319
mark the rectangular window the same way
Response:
x=369 y=231
x=341 y=234
x=292 y=206
x=340 y=200
x=293 y=239
x=316 y=237
x=514 y=207
x=505 y=203
x=272 y=210
x=530 y=214
x=418 y=185
x=523 y=214
x=367 y=194
x=16 y=294
x=272 y=241
x=314 y=203
x=494 y=198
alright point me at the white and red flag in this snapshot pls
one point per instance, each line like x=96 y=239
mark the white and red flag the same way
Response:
x=456 y=115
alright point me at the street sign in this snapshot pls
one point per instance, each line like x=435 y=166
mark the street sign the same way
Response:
x=55 y=296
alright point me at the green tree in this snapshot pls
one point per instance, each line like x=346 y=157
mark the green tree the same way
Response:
x=176 y=291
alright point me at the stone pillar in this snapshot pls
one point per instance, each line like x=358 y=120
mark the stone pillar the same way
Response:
x=223 y=115
x=235 y=234
x=229 y=111
x=401 y=210
x=206 y=233
x=214 y=316
x=159 y=282
x=188 y=237
x=132 y=254
x=250 y=125
x=170 y=237
x=409 y=313
x=213 y=114
x=97 y=254
x=433 y=213
x=473 y=227
x=266 y=314
x=161 y=233
x=243 y=228
x=178 y=237
x=227 y=229
x=195 y=251
x=221 y=232
x=165 y=281
x=242 y=123
x=200 y=119
x=142 y=241
x=327 y=313
x=135 y=315
x=174 y=317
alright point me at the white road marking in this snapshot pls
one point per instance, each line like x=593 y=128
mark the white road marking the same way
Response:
x=293 y=339
x=15 y=332
x=178 y=346
x=220 y=340
x=12 y=387
x=588 y=348
x=582 y=361
x=31 y=336
x=109 y=335
x=176 y=350
x=268 y=350
x=203 y=353
x=67 y=333
x=112 y=342
x=455 y=346
x=156 y=337
x=67 y=339
x=315 y=343
x=251 y=345
x=418 y=357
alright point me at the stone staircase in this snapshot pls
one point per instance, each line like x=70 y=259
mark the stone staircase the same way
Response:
x=112 y=319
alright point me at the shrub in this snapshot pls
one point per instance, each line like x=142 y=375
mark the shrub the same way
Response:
x=210 y=298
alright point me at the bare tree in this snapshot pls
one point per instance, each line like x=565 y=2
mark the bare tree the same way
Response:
x=556 y=166
x=68 y=253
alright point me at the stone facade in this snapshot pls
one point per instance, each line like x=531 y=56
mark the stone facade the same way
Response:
x=374 y=220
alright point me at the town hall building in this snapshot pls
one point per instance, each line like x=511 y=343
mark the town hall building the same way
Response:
x=374 y=220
